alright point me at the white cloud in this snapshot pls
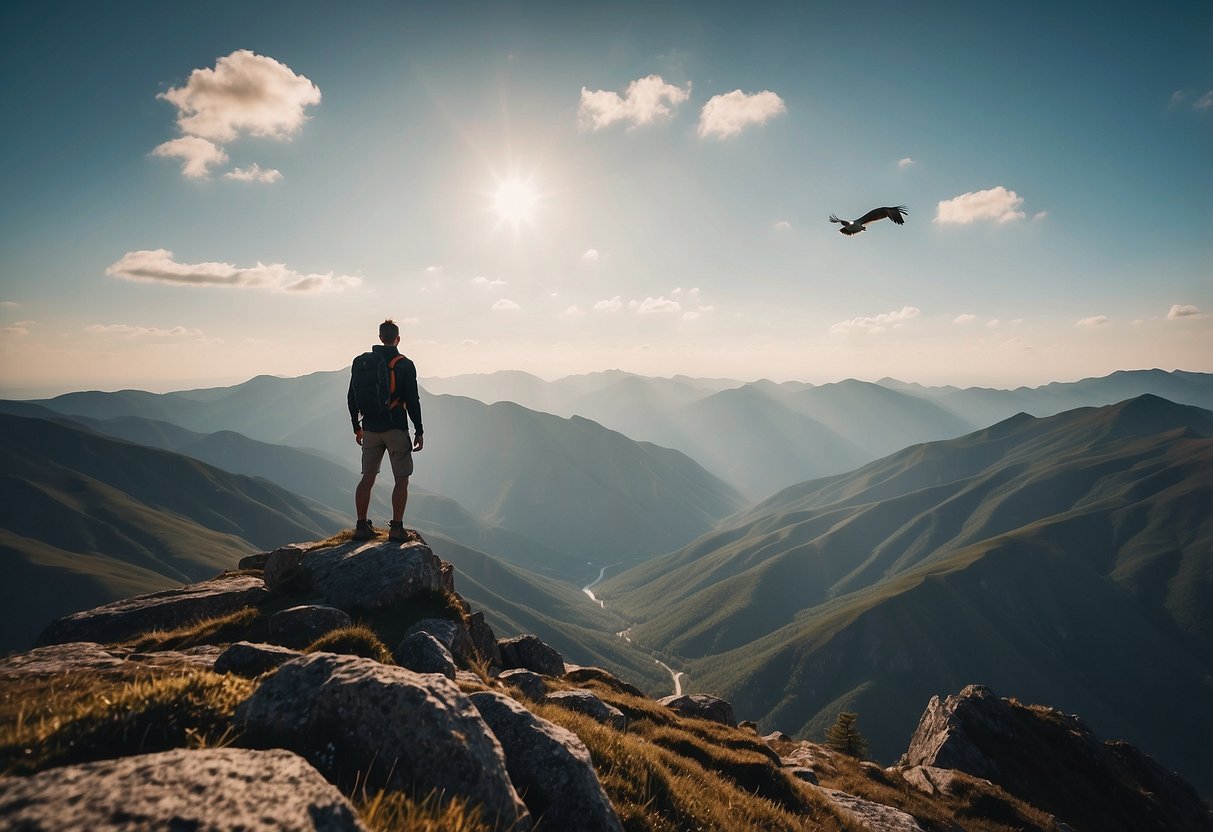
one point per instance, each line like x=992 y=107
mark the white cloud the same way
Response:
x=727 y=115
x=433 y=269
x=9 y=304
x=964 y=318
x=14 y=331
x=485 y=283
x=590 y=254
x=782 y=225
x=469 y=342
x=158 y=266
x=1185 y=311
x=199 y=155
x=876 y=324
x=505 y=305
x=1205 y=102
x=129 y=331
x=244 y=92
x=1094 y=320
x=254 y=173
x=612 y=305
x=690 y=315
x=997 y=204
x=645 y=101
x=654 y=306
x=1039 y=215
x=906 y=162
x=993 y=322
x=573 y=311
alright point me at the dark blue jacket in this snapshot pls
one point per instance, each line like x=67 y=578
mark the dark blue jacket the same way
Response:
x=406 y=391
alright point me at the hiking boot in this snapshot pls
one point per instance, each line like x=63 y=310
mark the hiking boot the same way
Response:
x=363 y=530
x=395 y=531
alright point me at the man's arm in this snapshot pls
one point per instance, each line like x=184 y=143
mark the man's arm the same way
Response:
x=412 y=398
x=353 y=405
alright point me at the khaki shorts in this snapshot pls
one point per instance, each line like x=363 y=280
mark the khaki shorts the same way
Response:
x=399 y=449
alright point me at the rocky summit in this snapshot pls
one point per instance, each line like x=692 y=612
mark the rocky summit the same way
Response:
x=347 y=685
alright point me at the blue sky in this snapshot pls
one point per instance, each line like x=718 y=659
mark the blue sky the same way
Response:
x=481 y=173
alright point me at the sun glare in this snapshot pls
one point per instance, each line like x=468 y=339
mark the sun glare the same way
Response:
x=515 y=202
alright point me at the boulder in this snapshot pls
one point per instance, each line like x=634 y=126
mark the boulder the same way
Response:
x=164 y=610
x=776 y=736
x=306 y=623
x=281 y=564
x=531 y=684
x=701 y=706
x=249 y=659
x=581 y=675
x=422 y=653
x=57 y=659
x=816 y=758
x=370 y=575
x=549 y=766
x=451 y=634
x=528 y=652
x=384 y=727
x=214 y=789
x=874 y=817
x=585 y=702
x=1037 y=754
x=256 y=561
x=484 y=640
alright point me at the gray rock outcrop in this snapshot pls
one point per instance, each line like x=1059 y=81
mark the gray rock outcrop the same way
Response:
x=701 y=706
x=530 y=683
x=281 y=564
x=164 y=610
x=305 y=623
x=250 y=659
x=581 y=675
x=388 y=726
x=874 y=817
x=529 y=653
x=585 y=702
x=422 y=653
x=215 y=789
x=453 y=635
x=484 y=640
x=549 y=766
x=369 y=576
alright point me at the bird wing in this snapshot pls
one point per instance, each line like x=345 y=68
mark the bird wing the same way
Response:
x=894 y=214
x=834 y=218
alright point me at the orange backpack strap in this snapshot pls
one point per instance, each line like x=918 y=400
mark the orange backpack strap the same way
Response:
x=391 y=374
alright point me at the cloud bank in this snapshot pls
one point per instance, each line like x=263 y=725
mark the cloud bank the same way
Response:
x=1093 y=321
x=254 y=173
x=1178 y=312
x=158 y=266
x=645 y=101
x=727 y=115
x=996 y=204
x=876 y=324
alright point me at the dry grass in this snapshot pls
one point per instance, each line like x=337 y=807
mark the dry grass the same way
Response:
x=666 y=773
x=89 y=717
x=396 y=812
x=355 y=640
x=974 y=805
x=223 y=629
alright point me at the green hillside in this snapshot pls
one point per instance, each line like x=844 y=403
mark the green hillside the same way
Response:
x=1067 y=559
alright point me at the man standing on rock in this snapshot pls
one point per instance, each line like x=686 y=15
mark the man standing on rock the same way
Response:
x=383 y=389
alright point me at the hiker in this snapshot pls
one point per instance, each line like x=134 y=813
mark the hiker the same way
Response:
x=383 y=388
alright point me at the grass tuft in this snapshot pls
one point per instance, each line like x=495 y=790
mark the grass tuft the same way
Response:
x=220 y=630
x=93 y=718
x=397 y=812
x=355 y=640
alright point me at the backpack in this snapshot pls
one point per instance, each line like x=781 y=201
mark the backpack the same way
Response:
x=374 y=383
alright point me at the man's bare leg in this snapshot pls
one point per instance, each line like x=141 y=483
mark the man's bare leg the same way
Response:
x=400 y=498
x=362 y=495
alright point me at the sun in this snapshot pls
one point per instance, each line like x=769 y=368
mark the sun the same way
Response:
x=516 y=201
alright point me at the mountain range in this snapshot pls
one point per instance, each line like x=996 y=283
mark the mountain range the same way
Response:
x=1066 y=559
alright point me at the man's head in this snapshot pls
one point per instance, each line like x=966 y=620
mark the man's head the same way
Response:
x=389 y=333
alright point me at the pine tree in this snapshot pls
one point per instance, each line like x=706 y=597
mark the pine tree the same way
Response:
x=844 y=737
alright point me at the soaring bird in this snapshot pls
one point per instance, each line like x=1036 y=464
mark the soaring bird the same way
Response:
x=896 y=214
